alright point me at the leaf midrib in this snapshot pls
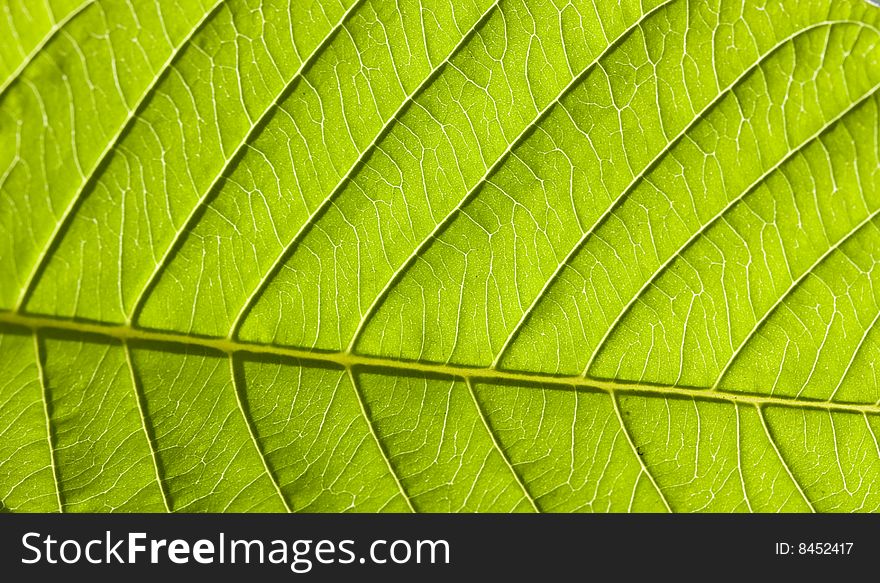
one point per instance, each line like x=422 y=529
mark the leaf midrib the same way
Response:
x=349 y=361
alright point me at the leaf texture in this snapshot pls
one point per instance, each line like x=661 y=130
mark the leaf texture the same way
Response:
x=440 y=255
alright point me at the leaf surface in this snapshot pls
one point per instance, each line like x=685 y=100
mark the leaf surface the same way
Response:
x=442 y=255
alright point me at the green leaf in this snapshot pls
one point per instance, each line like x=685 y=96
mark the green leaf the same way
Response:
x=445 y=255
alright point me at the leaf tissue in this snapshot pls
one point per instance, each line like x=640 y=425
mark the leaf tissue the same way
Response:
x=440 y=255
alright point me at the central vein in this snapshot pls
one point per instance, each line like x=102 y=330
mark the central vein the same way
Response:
x=349 y=361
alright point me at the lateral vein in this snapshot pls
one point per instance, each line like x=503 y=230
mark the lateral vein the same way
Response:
x=528 y=495
x=139 y=399
x=38 y=355
x=252 y=433
x=372 y=428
